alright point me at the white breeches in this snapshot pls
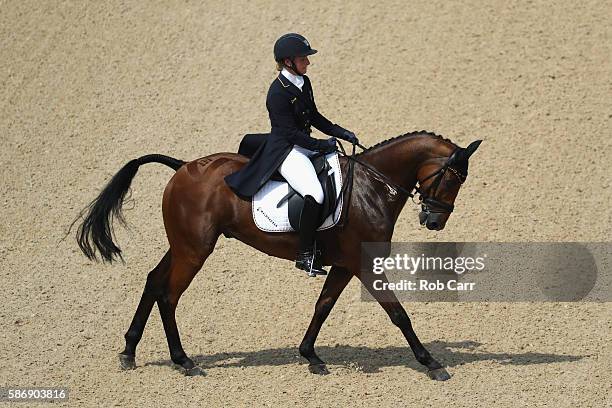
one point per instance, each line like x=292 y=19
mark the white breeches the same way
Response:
x=300 y=174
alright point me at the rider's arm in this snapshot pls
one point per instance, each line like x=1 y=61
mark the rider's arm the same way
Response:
x=321 y=122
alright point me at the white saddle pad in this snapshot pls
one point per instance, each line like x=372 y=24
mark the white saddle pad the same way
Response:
x=271 y=219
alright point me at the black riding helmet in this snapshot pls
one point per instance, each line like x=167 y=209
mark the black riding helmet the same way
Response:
x=290 y=46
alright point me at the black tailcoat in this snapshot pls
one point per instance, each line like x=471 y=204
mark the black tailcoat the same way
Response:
x=291 y=112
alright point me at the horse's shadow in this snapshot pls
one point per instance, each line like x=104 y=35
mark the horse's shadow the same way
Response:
x=371 y=360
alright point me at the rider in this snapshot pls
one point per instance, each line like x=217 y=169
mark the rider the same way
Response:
x=292 y=111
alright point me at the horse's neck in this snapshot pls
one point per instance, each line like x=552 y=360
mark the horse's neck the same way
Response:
x=400 y=160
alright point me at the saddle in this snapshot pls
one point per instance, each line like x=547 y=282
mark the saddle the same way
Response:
x=295 y=201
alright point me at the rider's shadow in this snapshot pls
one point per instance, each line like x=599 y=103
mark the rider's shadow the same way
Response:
x=371 y=360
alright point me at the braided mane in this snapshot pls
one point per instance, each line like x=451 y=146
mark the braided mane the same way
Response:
x=404 y=136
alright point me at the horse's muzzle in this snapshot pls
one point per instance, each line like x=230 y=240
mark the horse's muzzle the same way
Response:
x=433 y=221
x=433 y=226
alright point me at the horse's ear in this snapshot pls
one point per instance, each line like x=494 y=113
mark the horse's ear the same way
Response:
x=461 y=156
x=471 y=148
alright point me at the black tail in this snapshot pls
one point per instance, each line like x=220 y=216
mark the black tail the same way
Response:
x=96 y=231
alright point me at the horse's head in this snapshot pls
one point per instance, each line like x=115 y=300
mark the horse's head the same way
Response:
x=439 y=183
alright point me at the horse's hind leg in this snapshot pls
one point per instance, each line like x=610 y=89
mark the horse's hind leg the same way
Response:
x=181 y=275
x=152 y=290
x=335 y=283
x=183 y=269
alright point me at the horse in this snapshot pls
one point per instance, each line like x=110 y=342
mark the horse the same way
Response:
x=198 y=207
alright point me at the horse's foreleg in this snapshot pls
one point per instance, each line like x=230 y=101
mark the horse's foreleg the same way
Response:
x=399 y=317
x=151 y=292
x=332 y=288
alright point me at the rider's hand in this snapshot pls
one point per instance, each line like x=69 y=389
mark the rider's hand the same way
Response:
x=328 y=145
x=350 y=137
x=345 y=134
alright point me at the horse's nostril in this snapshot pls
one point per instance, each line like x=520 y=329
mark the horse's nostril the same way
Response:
x=432 y=225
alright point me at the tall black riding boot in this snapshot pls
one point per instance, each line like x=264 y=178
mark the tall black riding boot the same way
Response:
x=308 y=257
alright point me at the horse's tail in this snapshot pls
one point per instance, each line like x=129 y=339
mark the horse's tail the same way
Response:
x=96 y=230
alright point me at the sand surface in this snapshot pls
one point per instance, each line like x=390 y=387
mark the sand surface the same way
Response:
x=87 y=86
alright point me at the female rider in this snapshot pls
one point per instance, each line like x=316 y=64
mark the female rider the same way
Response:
x=292 y=111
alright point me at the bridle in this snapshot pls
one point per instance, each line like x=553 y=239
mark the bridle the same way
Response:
x=427 y=198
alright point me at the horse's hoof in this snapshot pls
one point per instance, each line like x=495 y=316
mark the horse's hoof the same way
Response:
x=190 y=372
x=127 y=362
x=320 y=369
x=439 y=374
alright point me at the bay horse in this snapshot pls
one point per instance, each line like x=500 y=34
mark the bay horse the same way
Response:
x=198 y=207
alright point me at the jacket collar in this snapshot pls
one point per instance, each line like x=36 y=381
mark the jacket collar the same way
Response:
x=297 y=80
x=288 y=86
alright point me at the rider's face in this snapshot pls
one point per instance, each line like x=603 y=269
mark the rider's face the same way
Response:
x=301 y=65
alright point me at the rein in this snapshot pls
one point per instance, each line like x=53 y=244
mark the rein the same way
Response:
x=353 y=160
